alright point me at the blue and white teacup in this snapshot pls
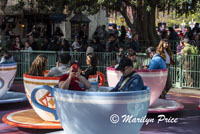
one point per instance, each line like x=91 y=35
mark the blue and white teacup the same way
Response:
x=7 y=76
x=98 y=112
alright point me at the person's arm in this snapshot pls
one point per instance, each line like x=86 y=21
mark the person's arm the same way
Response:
x=83 y=80
x=65 y=84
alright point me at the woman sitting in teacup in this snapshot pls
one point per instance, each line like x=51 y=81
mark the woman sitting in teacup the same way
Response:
x=38 y=66
x=73 y=80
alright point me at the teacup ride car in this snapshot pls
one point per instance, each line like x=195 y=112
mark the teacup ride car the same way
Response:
x=35 y=118
x=42 y=118
x=97 y=112
x=156 y=80
x=199 y=107
x=44 y=97
x=7 y=76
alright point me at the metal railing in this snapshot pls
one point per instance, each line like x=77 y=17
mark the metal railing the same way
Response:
x=185 y=73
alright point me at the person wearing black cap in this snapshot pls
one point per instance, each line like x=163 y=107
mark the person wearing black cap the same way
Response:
x=73 y=80
x=130 y=81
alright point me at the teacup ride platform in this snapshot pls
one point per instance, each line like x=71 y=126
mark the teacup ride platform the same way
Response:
x=29 y=119
x=156 y=80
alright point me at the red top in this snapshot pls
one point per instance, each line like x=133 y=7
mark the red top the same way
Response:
x=73 y=84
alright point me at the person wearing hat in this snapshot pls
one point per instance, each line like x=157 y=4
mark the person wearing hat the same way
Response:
x=62 y=66
x=157 y=62
x=130 y=81
x=73 y=80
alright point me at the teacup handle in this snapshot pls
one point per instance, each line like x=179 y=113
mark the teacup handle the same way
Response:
x=38 y=105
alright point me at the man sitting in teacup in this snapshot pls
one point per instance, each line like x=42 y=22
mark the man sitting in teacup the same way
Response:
x=130 y=81
x=73 y=80
x=62 y=66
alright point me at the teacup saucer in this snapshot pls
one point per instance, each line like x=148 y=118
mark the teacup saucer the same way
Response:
x=29 y=119
x=164 y=106
x=13 y=97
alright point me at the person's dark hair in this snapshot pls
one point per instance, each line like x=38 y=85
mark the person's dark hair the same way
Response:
x=114 y=26
x=171 y=29
x=149 y=50
x=93 y=59
x=4 y=53
x=131 y=52
x=64 y=58
x=111 y=35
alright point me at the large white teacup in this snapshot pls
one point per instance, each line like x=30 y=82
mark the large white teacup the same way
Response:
x=43 y=96
x=7 y=76
x=155 y=79
x=97 y=112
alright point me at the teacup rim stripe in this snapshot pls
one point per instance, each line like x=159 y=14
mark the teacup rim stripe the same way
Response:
x=58 y=98
x=40 y=77
x=94 y=97
x=126 y=93
x=145 y=74
x=41 y=80
x=8 y=69
x=39 y=83
x=142 y=70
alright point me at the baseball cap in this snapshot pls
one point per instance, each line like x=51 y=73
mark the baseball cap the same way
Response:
x=125 y=62
x=75 y=64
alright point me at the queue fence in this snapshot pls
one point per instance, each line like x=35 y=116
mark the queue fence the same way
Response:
x=184 y=74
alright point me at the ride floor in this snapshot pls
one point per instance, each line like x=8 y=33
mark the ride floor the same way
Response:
x=185 y=121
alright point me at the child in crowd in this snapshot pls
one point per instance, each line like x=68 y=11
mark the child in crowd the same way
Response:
x=76 y=46
x=121 y=53
x=27 y=46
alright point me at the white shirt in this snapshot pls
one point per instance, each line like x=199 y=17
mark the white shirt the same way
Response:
x=167 y=57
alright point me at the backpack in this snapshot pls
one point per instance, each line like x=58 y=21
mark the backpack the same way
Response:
x=193 y=50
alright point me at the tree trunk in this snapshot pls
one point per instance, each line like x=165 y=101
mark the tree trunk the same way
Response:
x=144 y=23
x=2 y=8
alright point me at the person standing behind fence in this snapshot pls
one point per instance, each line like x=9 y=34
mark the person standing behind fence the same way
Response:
x=164 y=49
x=62 y=66
x=18 y=44
x=134 y=43
x=112 y=44
x=27 y=46
x=187 y=61
x=75 y=45
x=38 y=66
x=33 y=43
